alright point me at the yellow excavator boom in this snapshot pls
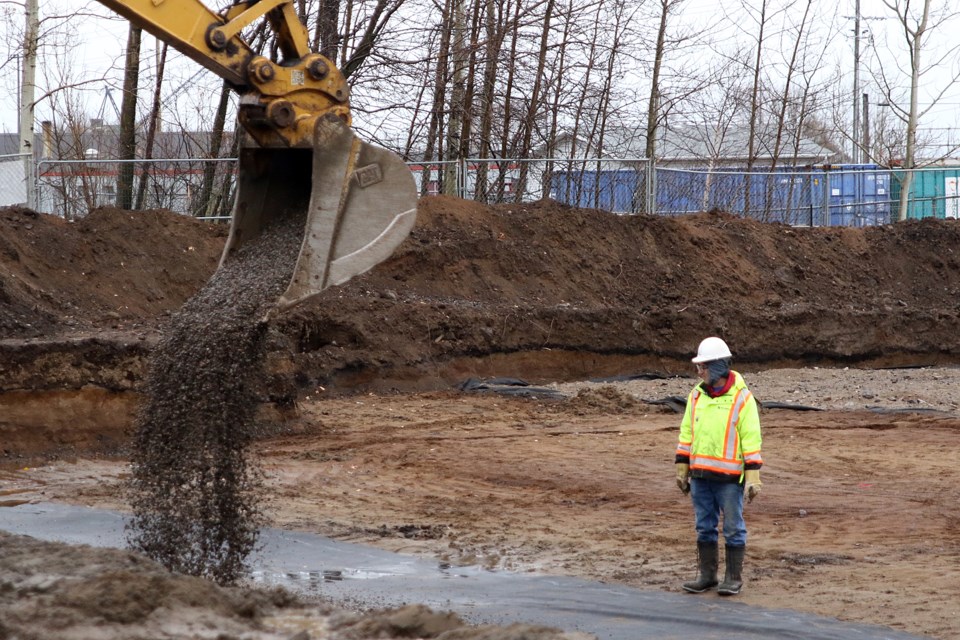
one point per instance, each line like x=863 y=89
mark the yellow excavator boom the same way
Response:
x=358 y=200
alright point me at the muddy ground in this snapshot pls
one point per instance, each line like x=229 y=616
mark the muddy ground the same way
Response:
x=372 y=442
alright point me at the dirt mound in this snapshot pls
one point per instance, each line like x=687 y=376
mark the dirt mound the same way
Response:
x=110 y=268
x=539 y=290
x=552 y=291
x=604 y=399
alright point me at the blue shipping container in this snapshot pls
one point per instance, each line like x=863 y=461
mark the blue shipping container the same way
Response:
x=859 y=195
x=856 y=195
x=613 y=190
x=780 y=196
x=847 y=195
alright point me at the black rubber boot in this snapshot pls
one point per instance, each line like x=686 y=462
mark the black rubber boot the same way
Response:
x=707 y=555
x=733 y=579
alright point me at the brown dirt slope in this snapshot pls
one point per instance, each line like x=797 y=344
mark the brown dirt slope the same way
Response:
x=547 y=279
x=539 y=289
x=111 y=267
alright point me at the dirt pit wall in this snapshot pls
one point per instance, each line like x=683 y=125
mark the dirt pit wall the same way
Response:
x=540 y=291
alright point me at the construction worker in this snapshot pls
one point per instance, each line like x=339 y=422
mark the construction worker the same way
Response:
x=718 y=461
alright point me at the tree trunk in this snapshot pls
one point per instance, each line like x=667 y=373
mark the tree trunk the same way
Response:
x=152 y=129
x=439 y=99
x=494 y=35
x=754 y=110
x=533 y=108
x=222 y=201
x=909 y=162
x=466 y=127
x=782 y=116
x=326 y=38
x=128 y=120
x=578 y=118
x=451 y=186
x=558 y=90
x=653 y=104
x=28 y=100
x=506 y=150
x=204 y=205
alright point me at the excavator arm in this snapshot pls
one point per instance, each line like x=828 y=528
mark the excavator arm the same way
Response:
x=358 y=200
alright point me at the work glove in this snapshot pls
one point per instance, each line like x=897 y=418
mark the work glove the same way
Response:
x=683 y=477
x=752 y=483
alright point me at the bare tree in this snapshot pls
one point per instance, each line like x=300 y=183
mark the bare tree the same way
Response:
x=762 y=21
x=153 y=123
x=376 y=23
x=433 y=146
x=784 y=99
x=534 y=104
x=676 y=39
x=456 y=107
x=326 y=35
x=917 y=23
x=714 y=115
x=792 y=104
x=493 y=34
x=204 y=204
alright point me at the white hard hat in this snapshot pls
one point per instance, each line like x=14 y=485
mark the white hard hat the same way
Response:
x=712 y=349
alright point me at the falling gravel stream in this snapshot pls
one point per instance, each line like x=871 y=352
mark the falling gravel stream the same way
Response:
x=194 y=489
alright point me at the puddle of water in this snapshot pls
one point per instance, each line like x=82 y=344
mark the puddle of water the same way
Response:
x=368 y=577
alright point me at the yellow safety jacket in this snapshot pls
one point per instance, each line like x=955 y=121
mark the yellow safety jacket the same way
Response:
x=720 y=437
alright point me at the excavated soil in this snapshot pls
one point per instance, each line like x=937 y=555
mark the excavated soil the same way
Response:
x=374 y=443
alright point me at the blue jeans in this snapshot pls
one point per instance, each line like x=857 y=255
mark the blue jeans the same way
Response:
x=709 y=499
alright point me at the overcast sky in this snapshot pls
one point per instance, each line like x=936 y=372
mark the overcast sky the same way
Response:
x=88 y=52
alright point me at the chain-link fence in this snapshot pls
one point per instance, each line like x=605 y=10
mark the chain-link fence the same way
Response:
x=199 y=187
x=848 y=195
x=483 y=180
x=823 y=196
x=838 y=195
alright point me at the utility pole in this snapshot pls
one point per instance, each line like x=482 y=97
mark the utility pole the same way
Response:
x=855 y=156
x=866 y=129
x=28 y=97
x=858 y=154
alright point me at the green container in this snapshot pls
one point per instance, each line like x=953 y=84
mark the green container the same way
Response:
x=935 y=193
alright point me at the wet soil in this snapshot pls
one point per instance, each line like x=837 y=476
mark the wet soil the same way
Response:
x=854 y=519
x=56 y=591
x=852 y=522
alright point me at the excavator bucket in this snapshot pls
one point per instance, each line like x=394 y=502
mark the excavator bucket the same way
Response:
x=358 y=202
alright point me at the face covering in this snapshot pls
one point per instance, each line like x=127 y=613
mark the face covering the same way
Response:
x=717 y=369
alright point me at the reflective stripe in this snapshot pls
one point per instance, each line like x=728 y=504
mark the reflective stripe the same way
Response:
x=694 y=396
x=731 y=438
x=715 y=464
x=684 y=449
x=753 y=456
